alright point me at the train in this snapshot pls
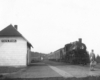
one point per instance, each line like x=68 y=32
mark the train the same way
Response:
x=74 y=53
x=57 y=55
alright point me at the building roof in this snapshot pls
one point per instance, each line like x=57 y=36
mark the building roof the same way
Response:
x=11 y=31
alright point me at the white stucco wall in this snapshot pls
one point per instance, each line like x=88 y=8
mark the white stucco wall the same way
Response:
x=13 y=53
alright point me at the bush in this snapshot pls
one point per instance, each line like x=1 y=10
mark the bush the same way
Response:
x=98 y=59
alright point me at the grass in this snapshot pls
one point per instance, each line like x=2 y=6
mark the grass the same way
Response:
x=35 y=61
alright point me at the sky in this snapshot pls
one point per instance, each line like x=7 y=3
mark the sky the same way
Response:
x=50 y=24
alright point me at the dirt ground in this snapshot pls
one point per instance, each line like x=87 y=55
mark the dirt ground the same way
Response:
x=49 y=70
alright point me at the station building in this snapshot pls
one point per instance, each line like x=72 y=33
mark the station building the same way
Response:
x=14 y=47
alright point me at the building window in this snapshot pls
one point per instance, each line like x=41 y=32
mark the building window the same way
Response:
x=12 y=40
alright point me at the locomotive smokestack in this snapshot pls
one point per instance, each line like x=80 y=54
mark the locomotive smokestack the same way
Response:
x=80 y=40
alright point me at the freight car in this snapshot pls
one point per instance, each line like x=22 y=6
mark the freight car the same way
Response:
x=55 y=56
x=58 y=55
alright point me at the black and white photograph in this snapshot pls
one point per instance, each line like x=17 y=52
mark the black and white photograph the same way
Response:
x=49 y=39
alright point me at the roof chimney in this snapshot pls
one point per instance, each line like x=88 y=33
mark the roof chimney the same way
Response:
x=16 y=27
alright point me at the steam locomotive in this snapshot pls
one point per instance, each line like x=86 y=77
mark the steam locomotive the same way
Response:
x=74 y=53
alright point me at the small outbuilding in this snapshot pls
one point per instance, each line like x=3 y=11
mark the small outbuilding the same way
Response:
x=14 y=48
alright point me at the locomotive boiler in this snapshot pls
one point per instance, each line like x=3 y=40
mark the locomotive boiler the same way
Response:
x=76 y=53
